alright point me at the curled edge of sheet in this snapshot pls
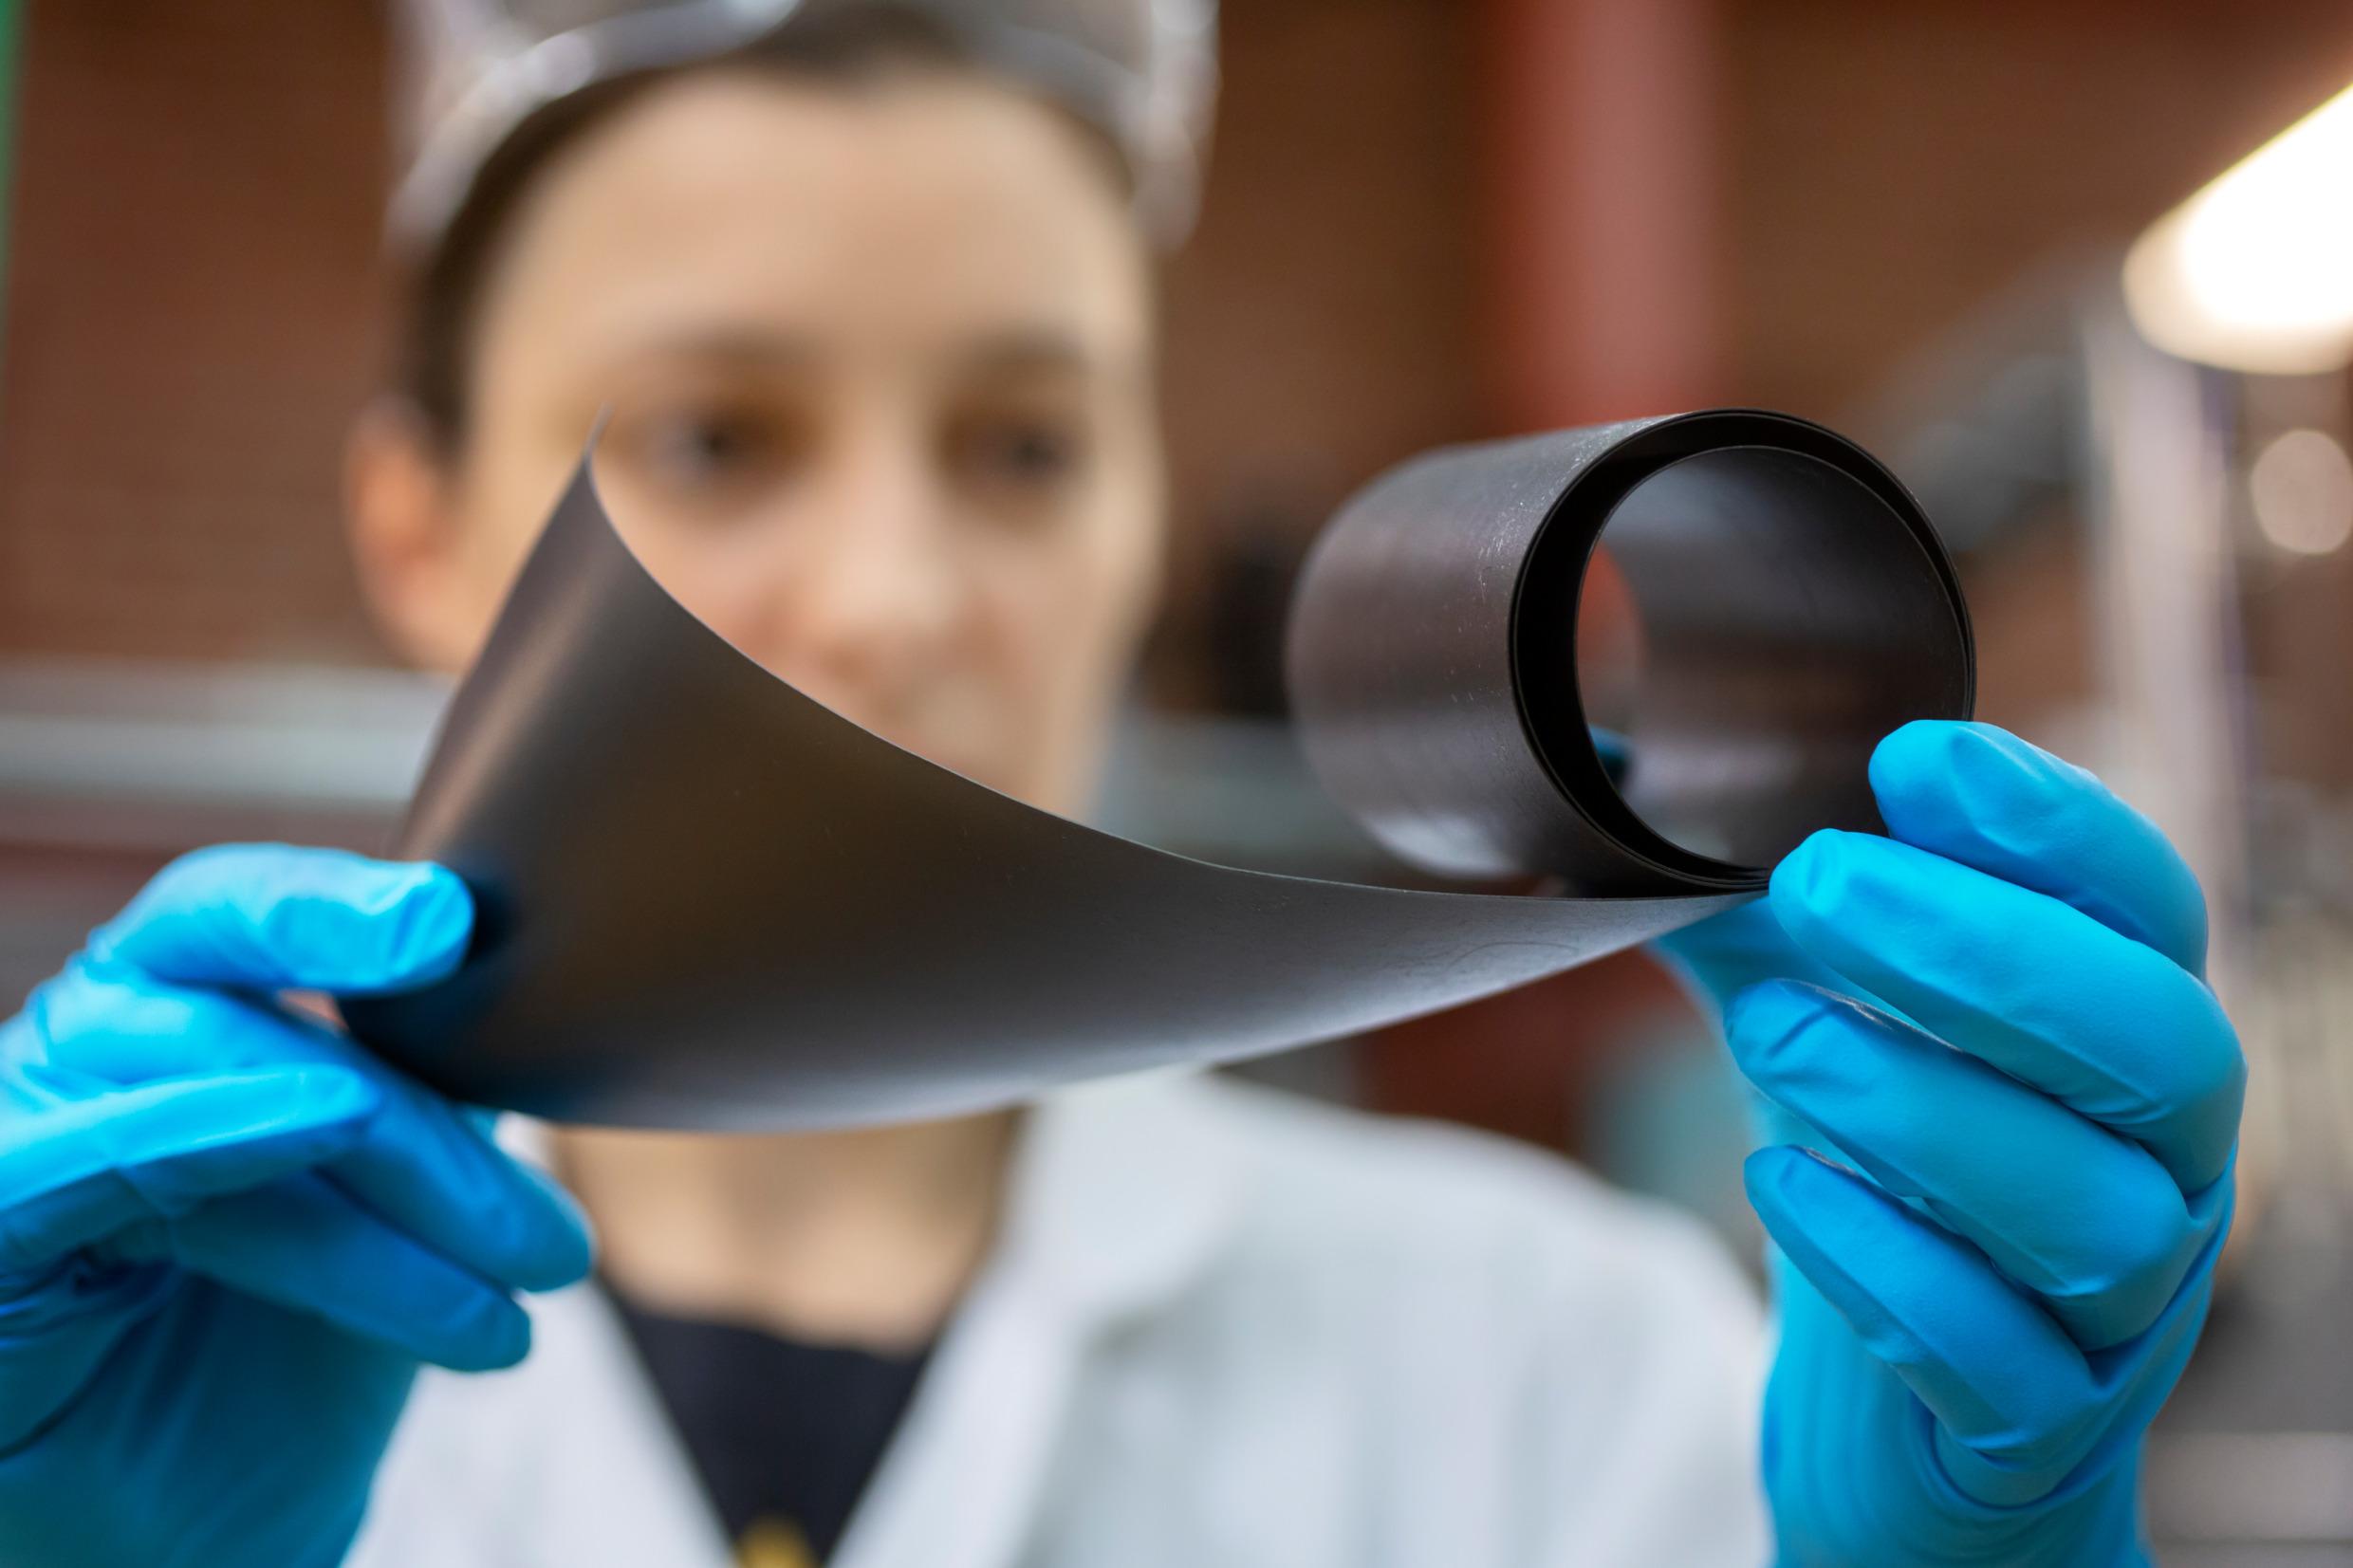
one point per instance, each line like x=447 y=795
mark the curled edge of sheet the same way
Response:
x=706 y=901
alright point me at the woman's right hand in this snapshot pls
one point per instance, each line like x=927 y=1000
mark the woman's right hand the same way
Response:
x=227 y=1234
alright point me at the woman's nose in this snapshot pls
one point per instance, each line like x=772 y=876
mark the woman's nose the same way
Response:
x=869 y=609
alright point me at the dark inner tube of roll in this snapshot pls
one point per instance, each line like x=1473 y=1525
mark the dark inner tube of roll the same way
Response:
x=1790 y=617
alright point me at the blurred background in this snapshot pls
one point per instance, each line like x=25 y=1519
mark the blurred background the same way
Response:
x=1426 y=221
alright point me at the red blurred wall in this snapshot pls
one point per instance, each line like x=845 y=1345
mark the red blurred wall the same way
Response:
x=1428 y=220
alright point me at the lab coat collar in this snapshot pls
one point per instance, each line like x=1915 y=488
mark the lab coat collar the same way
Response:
x=1122 y=1192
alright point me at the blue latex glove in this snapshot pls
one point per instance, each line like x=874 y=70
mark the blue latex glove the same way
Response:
x=1990 y=1028
x=226 y=1235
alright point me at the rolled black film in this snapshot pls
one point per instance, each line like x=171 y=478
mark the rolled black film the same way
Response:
x=707 y=901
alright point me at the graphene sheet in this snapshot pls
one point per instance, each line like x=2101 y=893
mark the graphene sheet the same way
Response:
x=707 y=901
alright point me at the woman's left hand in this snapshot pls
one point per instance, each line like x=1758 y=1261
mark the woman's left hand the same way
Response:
x=2001 y=1112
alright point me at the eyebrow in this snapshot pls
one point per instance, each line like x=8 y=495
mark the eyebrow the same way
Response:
x=1025 y=348
x=730 y=345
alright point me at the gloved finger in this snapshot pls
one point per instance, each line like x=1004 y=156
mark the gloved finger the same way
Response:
x=75 y=1172
x=2085 y=1221
x=2016 y=1402
x=303 y=1244
x=1723 y=956
x=422 y=1165
x=1981 y=796
x=2038 y=988
x=275 y=918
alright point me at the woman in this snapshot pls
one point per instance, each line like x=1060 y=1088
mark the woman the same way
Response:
x=874 y=320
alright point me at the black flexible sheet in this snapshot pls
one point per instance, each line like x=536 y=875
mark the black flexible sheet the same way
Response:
x=707 y=901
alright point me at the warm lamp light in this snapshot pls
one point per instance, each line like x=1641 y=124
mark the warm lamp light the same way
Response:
x=2255 y=272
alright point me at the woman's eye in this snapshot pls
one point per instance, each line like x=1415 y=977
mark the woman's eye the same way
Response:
x=1022 y=455
x=699 y=449
x=708 y=460
x=1033 y=454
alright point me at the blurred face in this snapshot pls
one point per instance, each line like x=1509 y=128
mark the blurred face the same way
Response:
x=878 y=361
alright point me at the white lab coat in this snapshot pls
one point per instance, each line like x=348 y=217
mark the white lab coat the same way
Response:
x=1221 y=1326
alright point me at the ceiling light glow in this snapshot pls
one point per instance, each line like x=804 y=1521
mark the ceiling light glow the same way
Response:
x=2255 y=272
